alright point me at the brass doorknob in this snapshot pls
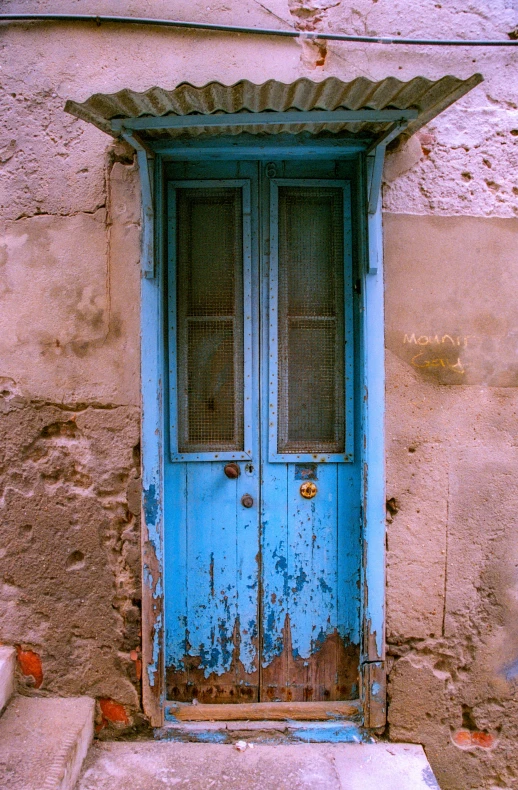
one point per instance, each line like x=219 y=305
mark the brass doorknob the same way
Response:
x=308 y=490
x=232 y=471
x=247 y=500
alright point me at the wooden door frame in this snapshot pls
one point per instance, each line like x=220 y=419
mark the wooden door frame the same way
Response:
x=370 y=250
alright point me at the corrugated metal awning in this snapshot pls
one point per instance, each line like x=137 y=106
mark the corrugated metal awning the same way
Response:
x=363 y=109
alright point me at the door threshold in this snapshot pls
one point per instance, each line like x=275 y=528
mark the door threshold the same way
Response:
x=249 y=733
x=350 y=710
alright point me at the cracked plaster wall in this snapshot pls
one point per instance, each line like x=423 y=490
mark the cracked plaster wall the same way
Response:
x=70 y=341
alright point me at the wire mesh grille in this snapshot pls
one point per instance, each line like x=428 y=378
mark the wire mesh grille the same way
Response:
x=311 y=398
x=210 y=319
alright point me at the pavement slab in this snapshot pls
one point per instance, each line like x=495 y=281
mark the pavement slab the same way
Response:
x=159 y=765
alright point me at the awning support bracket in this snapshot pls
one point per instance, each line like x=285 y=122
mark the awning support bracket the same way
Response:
x=376 y=153
x=145 y=159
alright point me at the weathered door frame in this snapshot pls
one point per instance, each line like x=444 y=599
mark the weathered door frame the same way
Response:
x=373 y=686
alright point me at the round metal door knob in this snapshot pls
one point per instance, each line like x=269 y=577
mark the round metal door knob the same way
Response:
x=247 y=500
x=308 y=490
x=232 y=471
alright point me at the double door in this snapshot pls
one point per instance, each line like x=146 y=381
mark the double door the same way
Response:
x=262 y=483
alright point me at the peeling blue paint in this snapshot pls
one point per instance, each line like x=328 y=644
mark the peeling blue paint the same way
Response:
x=281 y=564
x=326 y=733
x=272 y=641
x=151 y=505
x=375 y=689
x=300 y=580
x=324 y=586
x=209 y=736
x=152 y=667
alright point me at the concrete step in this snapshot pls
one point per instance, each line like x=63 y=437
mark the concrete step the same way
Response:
x=7 y=670
x=44 y=741
x=148 y=765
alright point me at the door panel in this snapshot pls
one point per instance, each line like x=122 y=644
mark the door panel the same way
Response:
x=216 y=660
x=261 y=602
x=211 y=538
x=310 y=547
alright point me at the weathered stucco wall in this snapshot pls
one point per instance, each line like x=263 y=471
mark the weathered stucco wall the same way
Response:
x=69 y=346
x=452 y=488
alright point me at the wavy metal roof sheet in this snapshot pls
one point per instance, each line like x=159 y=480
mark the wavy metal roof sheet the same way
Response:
x=426 y=96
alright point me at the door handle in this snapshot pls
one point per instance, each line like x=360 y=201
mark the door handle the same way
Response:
x=232 y=471
x=247 y=500
x=308 y=490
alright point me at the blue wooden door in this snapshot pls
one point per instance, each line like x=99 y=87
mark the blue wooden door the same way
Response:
x=262 y=495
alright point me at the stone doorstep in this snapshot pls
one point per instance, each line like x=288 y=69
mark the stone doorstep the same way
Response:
x=7 y=670
x=44 y=742
x=155 y=765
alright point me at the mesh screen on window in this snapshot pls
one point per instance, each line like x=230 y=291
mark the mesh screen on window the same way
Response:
x=210 y=319
x=311 y=405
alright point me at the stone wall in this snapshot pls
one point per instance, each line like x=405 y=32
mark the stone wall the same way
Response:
x=69 y=348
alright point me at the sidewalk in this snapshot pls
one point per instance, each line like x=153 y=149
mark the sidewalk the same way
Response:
x=161 y=765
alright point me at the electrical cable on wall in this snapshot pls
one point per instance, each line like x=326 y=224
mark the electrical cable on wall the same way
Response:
x=211 y=26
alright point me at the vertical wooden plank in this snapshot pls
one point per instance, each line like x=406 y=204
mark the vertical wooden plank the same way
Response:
x=275 y=580
x=313 y=580
x=200 y=563
x=248 y=539
x=152 y=480
x=175 y=475
x=274 y=523
x=247 y=584
x=222 y=595
x=375 y=695
x=349 y=551
x=220 y=569
x=175 y=557
x=373 y=570
x=374 y=443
